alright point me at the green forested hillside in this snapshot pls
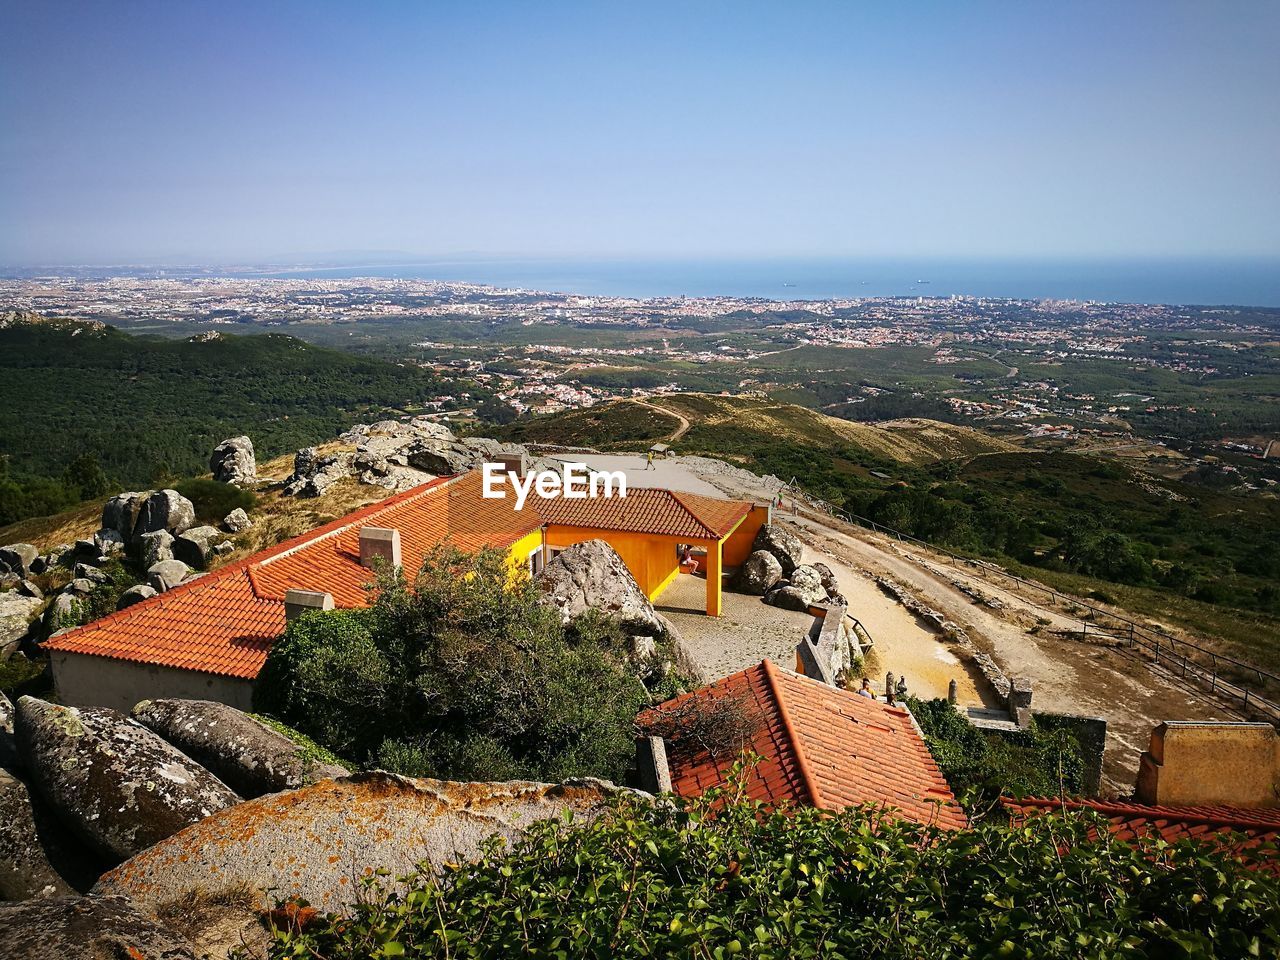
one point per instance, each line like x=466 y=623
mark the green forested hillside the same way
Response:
x=147 y=409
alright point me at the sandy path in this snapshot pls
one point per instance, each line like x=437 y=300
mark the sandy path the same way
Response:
x=903 y=644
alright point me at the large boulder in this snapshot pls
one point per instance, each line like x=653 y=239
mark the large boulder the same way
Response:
x=135 y=594
x=808 y=581
x=37 y=856
x=233 y=462
x=802 y=591
x=195 y=547
x=154 y=547
x=788 y=598
x=441 y=457
x=166 y=574
x=120 y=513
x=8 y=748
x=237 y=521
x=17 y=611
x=758 y=573
x=86 y=928
x=830 y=584
x=590 y=575
x=116 y=784
x=244 y=753
x=316 y=842
x=164 y=510
x=17 y=558
x=783 y=544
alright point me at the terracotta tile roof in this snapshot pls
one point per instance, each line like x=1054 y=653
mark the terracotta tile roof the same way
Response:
x=225 y=621
x=1129 y=820
x=649 y=510
x=819 y=746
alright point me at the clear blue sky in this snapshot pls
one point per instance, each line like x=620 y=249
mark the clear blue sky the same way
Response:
x=230 y=131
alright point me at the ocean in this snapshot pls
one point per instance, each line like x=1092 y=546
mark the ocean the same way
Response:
x=1203 y=282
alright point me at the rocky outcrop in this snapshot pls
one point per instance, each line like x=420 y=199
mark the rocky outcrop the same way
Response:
x=783 y=544
x=154 y=547
x=316 y=842
x=440 y=457
x=195 y=547
x=244 y=753
x=86 y=928
x=8 y=749
x=135 y=594
x=113 y=782
x=758 y=574
x=16 y=558
x=37 y=857
x=393 y=454
x=788 y=598
x=237 y=521
x=120 y=513
x=233 y=461
x=804 y=589
x=313 y=473
x=591 y=575
x=164 y=510
x=166 y=574
x=830 y=584
x=17 y=610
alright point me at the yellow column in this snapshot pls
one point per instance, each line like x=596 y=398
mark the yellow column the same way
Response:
x=714 y=548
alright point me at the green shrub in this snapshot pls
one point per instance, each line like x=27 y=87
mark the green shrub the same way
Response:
x=982 y=765
x=213 y=500
x=19 y=676
x=465 y=676
x=726 y=877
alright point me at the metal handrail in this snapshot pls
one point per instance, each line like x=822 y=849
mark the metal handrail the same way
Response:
x=1174 y=650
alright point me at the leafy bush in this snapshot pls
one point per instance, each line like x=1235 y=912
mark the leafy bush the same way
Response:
x=465 y=676
x=981 y=765
x=213 y=500
x=722 y=878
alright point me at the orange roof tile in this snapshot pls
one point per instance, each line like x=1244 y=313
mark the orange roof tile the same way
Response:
x=649 y=510
x=225 y=621
x=1171 y=823
x=819 y=746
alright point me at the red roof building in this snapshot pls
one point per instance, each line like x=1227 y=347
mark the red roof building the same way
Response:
x=209 y=637
x=818 y=746
x=1127 y=821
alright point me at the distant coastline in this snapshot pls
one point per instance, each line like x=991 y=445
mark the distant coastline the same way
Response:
x=1244 y=282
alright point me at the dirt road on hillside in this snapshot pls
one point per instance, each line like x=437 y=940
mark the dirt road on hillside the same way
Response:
x=680 y=431
x=1069 y=676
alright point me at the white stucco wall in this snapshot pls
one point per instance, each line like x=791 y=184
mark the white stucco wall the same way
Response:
x=86 y=681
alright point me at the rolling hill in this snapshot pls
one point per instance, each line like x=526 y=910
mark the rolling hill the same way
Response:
x=732 y=425
x=147 y=409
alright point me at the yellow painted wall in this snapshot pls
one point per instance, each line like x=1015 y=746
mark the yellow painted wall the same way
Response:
x=518 y=553
x=737 y=546
x=652 y=559
x=1191 y=763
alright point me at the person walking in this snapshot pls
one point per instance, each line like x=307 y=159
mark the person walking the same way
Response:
x=649 y=463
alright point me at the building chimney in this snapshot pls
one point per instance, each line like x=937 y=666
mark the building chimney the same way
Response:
x=379 y=543
x=516 y=463
x=298 y=602
x=652 y=771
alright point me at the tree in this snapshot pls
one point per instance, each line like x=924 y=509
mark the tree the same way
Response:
x=493 y=410
x=462 y=675
x=85 y=474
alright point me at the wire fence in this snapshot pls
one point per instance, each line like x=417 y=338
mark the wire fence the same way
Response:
x=1244 y=685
